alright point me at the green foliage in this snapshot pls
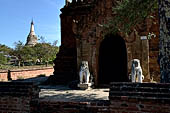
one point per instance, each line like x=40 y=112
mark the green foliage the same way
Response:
x=4 y=49
x=18 y=50
x=3 y=59
x=129 y=13
x=45 y=52
x=28 y=55
x=4 y=53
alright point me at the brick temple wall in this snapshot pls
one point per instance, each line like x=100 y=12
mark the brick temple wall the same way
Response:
x=82 y=33
x=154 y=67
x=26 y=73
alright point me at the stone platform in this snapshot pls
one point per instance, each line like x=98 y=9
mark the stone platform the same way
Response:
x=65 y=94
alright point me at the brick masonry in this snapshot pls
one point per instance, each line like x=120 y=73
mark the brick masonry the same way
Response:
x=26 y=73
x=139 y=98
x=20 y=97
x=123 y=98
x=82 y=35
x=72 y=107
x=16 y=97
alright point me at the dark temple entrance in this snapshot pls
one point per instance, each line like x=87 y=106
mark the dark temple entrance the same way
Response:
x=112 y=60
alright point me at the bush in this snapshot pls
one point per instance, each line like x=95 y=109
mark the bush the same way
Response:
x=3 y=59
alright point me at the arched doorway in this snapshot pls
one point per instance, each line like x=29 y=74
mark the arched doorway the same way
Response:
x=112 y=60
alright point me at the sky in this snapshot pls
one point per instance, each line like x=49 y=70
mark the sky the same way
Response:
x=16 y=17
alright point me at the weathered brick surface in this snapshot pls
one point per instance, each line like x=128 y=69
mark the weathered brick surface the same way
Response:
x=26 y=73
x=3 y=76
x=15 y=97
x=82 y=34
x=139 y=98
x=72 y=107
x=154 y=52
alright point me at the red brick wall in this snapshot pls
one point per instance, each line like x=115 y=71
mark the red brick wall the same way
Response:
x=154 y=52
x=16 y=97
x=26 y=73
x=20 y=97
x=3 y=76
x=139 y=98
x=46 y=106
x=138 y=106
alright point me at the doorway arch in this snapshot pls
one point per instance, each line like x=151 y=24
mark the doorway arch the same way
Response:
x=112 y=60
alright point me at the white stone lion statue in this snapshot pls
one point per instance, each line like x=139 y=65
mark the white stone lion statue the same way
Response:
x=84 y=73
x=136 y=71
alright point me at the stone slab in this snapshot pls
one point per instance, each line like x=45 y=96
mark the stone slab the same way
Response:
x=85 y=86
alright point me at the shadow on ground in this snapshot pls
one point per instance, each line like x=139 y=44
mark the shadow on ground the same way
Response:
x=64 y=93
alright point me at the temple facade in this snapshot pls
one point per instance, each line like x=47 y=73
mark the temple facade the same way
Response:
x=32 y=38
x=109 y=56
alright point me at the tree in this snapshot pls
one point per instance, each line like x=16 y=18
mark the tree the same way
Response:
x=3 y=59
x=55 y=43
x=5 y=49
x=4 y=53
x=28 y=54
x=42 y=39
x=17 y=51
x=45 y=52
x=130 y=13
x=23 y=53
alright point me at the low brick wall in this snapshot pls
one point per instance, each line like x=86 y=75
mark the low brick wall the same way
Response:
x=22 y=97
x=72 y=107
x=3 y=76
x=26 y=73
x=16 y=97
x=139 y=98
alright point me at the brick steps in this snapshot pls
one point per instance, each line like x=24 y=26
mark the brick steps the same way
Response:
x=145 y=89
x=138 y=90
x=17 y=89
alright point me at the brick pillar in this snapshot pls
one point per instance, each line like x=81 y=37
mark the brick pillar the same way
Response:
x=145 y=59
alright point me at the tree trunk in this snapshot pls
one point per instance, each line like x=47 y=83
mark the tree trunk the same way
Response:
x=164 y=44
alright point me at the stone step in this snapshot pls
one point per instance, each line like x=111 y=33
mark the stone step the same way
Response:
x=17 y=89
x=140 y=90
x=152 y=85
x=141 y=94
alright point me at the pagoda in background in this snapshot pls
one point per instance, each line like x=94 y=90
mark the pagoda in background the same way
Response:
x=32 y=38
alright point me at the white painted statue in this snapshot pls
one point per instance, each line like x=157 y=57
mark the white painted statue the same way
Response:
x=84 y=73
x=136 y=71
